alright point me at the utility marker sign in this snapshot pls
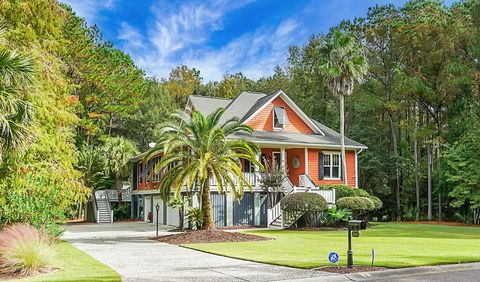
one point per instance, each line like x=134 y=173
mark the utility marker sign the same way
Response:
x=333 y=258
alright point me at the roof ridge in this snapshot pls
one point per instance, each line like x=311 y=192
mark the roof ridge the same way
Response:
x=211 y=97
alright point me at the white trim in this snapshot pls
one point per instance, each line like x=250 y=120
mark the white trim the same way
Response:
x=292 y=105
x=356 y=171
x=306 y=161
x=331 y=153
x=309 y=145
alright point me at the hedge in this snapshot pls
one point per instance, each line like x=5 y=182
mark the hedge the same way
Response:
x=304 y=201
x=341 y=190
x=356 y=204
x=359 y=192
x=376 y=201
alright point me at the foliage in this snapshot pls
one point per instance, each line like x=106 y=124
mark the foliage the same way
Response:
x=359 y=206
x=303 y=202
x=91 y=162
x=341 y=190
x=376 y=201
x=336 y=215
x=196 y=149
x=121 y=211
x=359 y=192
x=24 y=250
x=118 y=151
x=195 y=217
x=273 y=177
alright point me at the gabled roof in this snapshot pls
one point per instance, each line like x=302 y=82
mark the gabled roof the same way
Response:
x=246 y=105
x=208 y=105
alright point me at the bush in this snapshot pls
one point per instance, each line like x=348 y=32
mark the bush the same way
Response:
x=359 y=192
x=376 y=201
x=24 y=250
x=304 y=202
x=337 y=216
x=122 y=212
x=357 y=204
x=341 y=190
x=195 y=217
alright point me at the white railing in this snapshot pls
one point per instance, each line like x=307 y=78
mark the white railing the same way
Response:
x=273 y=214
x=126 y=194
x=252 y=177
x=306 y=182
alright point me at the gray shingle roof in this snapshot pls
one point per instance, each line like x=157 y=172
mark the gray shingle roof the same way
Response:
x=208 y=105
x=247 y=103
x=241 y=105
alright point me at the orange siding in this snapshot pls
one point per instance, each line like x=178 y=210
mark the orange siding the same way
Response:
x=313 y=167
x=294 y=173
x=264 y=119
x=146 y=184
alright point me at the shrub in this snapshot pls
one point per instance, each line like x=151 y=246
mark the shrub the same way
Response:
x=24 y=250
x=304 y=202
x=122 y=212
x=195 y=217
x=359 y=206
x=359 y=192
x=341 y=190
x=336 y=215
x=376 y=201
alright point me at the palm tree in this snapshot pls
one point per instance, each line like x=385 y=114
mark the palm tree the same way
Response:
x=16 y=116
x=345 y=65
x=118 y=152
x=196 y=149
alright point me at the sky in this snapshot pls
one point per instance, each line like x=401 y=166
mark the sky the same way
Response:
x=216 y=37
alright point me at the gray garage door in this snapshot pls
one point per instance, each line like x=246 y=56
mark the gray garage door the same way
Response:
x=219 y=208
x=243 y=210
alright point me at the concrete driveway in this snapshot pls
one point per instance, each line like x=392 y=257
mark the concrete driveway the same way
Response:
x=125 y=247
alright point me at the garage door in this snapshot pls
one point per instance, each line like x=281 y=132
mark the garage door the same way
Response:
x=243 y=210
x=218 y=208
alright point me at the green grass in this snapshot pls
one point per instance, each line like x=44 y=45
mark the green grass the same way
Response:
x=395 y=244
x=75 y=265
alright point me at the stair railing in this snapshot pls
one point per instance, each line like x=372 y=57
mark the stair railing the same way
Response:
x=109 y=207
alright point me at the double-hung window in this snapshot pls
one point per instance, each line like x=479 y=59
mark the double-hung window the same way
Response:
x=279 y=117
x=331 y=165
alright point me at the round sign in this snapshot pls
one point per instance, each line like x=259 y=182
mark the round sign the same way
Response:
x=333 y=257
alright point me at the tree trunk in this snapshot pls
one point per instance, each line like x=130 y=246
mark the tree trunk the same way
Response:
x=206 y=206
x=415 y=155
x=397 y=171
x=429 y=185
x=119 y=186
x=342 y=138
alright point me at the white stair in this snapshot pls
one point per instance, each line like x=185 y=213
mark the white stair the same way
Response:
x=104 y=213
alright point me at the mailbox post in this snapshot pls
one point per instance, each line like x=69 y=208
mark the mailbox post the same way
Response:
x=354 y=226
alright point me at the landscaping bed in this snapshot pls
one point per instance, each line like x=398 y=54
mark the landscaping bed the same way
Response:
x=355 y=268
x=208 y=236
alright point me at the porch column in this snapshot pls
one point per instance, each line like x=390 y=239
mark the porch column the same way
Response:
x=283 y=159
x=306 y=161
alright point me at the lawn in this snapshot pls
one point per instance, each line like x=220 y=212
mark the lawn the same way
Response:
x=75 y=265
x=395 y=244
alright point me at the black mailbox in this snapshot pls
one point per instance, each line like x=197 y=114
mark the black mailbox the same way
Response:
x=357 y=225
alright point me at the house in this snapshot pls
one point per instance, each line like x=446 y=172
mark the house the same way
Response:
x=307 y=149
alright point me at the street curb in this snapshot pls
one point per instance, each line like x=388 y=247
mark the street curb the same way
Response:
x=403 y=272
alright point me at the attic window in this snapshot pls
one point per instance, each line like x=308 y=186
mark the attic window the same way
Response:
x=279 y=117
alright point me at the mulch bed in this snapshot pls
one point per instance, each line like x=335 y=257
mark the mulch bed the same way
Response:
x=208 y=236
x=355 y=268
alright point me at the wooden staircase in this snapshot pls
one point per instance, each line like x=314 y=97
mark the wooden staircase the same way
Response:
x=103 y=211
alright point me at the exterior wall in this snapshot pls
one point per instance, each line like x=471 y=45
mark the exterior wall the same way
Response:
x=146 y=183
x=313 y=167
x=294 y=173
x=264 y=119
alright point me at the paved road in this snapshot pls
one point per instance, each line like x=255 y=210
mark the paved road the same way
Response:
x=125 y=248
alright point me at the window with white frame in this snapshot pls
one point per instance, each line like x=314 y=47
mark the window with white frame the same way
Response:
x=331 y=165
x=279 y=117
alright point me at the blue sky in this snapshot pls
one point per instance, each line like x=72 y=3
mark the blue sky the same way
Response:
x=215 y=36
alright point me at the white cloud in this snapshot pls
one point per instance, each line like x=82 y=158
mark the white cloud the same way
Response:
x=179 y=35
x=131 y=36
x=90 y=9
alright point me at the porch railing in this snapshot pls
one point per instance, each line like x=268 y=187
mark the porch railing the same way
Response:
x=252 y=177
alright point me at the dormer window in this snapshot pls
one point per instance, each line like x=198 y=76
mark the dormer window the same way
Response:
x=279 y=117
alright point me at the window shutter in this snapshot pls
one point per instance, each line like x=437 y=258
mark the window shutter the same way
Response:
x=341 y=167
x=320 y=165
